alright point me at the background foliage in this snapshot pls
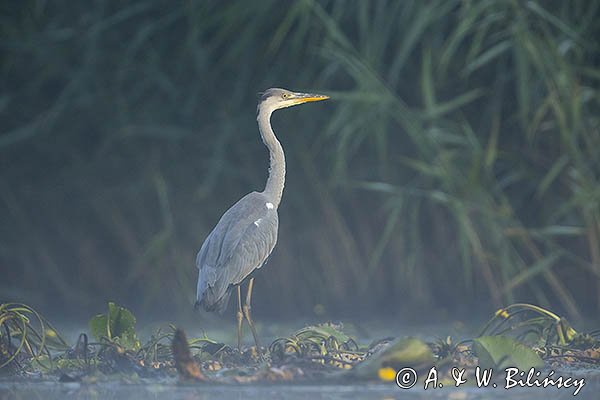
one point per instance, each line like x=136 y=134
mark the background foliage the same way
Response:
x=456 y=168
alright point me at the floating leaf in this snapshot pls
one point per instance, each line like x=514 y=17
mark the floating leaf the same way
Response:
x=502 y=351
x=118 y=326
x=406 y=352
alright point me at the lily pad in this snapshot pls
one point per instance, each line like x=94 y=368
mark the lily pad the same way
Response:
x=405 y=352
x=502 y=352
x=117 y=326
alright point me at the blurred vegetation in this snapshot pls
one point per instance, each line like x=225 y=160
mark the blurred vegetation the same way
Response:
x=456 y=168
x=519 y=335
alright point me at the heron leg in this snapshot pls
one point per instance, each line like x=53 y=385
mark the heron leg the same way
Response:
x=240 y=318
x=247 y=307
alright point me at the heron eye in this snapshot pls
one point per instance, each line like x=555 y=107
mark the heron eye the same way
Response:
x=285 y=95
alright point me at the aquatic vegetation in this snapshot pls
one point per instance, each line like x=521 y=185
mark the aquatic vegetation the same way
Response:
x=500 y=352
x=25 y=335
x=404 y=352
x=519 y=335
x=530 y=323
x=325 y=343
x=117 y=327
x=550 y=335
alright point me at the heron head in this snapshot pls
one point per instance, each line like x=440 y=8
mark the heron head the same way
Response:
x=276 y=98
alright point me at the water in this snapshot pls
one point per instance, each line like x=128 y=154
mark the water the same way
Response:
x=175 y=391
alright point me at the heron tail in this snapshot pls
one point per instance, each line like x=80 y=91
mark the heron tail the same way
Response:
x=210 y=302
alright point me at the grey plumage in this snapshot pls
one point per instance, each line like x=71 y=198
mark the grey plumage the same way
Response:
x=240 y=243
x=246 y=234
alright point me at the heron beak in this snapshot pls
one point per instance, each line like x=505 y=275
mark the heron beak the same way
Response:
x=308 y=97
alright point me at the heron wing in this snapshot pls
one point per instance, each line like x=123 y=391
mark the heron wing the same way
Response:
x=240 y=243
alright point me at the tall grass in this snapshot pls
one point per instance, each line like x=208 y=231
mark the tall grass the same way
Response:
x=455 y=169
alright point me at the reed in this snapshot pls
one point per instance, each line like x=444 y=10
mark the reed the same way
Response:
x=457 y=164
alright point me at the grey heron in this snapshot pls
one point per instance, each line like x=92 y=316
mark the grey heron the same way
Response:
x=246 y=234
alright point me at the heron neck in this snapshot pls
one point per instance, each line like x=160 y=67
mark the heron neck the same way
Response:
x=276 y=181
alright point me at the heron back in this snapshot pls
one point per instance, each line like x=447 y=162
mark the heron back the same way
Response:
x=240 y=243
